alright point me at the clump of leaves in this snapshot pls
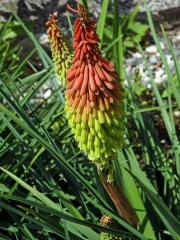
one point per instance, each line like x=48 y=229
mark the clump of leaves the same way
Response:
x=132 y=31
x=12 y=30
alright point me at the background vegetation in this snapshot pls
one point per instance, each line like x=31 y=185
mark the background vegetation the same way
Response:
x=48 y=188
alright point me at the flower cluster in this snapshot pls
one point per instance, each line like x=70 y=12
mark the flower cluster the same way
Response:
x=94 y=99
x=61 y=54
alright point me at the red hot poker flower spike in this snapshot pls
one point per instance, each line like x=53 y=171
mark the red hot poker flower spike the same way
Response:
x=61 y=54
x=94 y=102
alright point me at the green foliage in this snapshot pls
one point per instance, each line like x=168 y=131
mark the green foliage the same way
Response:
x=48 y=188
x=132 y=31
x=107 y=236
x=12 y=30
x=102 y=20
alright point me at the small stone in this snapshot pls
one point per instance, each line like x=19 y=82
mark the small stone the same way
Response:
x=151 y=49
x=137 y=55
x=162 y=45
x=153 y=59
x=177 y=38
x=47 y=94
x=159 y=81
x=43 y=38
x=159 y=72
x=129 y=61
x=169 y=58
x=149 y=86
x=164 y=77
x=177 y=114
x=145 y=80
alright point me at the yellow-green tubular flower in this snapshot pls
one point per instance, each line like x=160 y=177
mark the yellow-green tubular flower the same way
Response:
x=94 y=99
x=61 y=53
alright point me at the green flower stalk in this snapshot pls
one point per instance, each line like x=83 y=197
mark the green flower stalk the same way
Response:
x=61 y=53
x=94 y=99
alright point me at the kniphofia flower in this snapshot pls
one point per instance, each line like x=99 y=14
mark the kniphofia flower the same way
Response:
x=94 y=101
x=61 y=53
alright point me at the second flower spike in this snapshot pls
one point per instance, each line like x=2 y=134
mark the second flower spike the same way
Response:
x=61 y=54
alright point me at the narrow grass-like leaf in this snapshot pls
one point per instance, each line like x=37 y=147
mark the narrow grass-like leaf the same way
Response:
x=134 y=197
x=163 y=58
x=49 y=210
x=102 y=20
x=56 y=154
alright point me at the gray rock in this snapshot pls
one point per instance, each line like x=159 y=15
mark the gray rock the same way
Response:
x=153 y=59
x=151 y=49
